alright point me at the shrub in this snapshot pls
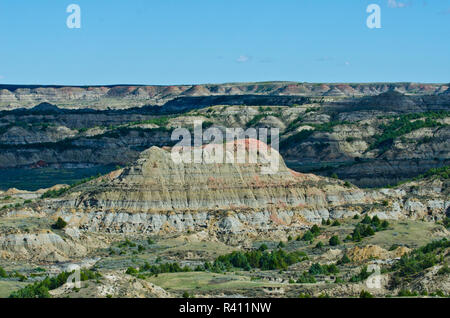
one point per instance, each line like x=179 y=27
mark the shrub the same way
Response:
x=315 y=230
x=132 y=271
x=366 y=220
x=338 y=280
x=356 y=235
x=446 y=222
x=3 y=273
x=60 y=224
x=306 y=278
x=281 y=244
x=393 y=247
x=344 y=260
x=407 y=293
x=365 y=294
x=376 y=221
x=334 y=240
x=317 y=269
x=319 y=245
x=363 y=275
x=186 y=295
x=263 y=247
x=308 y=236
x=444 y=270
x=336 y=223
x=417 y=261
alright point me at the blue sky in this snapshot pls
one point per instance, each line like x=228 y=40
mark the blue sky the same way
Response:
x=217 y=41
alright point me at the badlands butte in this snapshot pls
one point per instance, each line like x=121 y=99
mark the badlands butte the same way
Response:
x=358 y=207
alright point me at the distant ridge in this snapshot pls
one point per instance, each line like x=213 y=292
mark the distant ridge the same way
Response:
x=129 y=96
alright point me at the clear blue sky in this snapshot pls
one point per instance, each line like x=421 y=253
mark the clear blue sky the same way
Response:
x=217 y=41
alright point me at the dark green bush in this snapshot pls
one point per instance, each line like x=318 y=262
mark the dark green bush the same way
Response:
x=363 y=275
x=60 y=224
x=334 y=241
x=306 y=278
x=3 y=273
x=365 y=294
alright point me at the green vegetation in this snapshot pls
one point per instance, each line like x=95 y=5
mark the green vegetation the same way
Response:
x=186 y=295
x=407 y=293
x=306 y=278
x=297 y=138
x=310 y=235
x=444 y=270
x=60 y=224
x=127 y=243
x=418 y=260
x=443 y=173
x=255 y=120
x=363 y=275
x=344 y=260
x=434 y=173
x=3 y=273
x=365 y=294
x=164 y=268
x=404 y=125
x=41 y=289
x=446 y=222
x=263 y=247
x=277 y=259
x=160 y=121
x=317 y=269
x=367 y=227
x=334 y=241
x=305 y=134
x=281 y=244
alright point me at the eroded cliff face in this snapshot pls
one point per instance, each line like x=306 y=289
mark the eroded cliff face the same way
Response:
x=234 y=203
x=231 y=202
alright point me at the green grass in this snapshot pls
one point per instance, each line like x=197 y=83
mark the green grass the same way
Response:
x=206 y=281
x=410 y=233
x=7 y=287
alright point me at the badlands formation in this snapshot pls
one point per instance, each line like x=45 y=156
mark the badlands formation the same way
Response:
x=156 y=194
x=373 y=191
x=223 y=207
